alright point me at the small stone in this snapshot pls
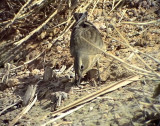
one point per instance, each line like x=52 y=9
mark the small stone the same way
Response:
x=59 y=49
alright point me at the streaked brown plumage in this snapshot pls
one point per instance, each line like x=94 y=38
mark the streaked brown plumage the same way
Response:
x=85 y=54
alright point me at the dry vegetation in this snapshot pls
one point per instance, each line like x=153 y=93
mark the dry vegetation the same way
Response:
x=36 y=68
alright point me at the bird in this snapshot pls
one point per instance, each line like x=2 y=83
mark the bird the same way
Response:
x=84 y=39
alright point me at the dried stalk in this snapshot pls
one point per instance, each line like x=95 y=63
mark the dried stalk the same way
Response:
x=115 y=6
x=17 y=15
x=62 y=115
x=120 y=60
x=136 y=53
x=36 y=30
x=96 y=94
x=24 y=111
x=94 y=7
x=142 y=23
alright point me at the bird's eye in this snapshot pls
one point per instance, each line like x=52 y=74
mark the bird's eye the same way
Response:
x=82 y=67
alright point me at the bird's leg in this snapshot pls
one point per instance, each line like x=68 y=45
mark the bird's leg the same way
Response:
x=77 y=81
x=99 y=78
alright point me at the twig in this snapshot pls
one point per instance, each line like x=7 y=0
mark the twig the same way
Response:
x=29 y=94
x=142 y=23
x=156 y=60
x=61 y=70
x=93 y=7
x=36 y=30
x=96 y=94
x=115 y=6
x=69 y=69
x=120 y=60
x=67 y=29
x=135 y=53
x=63 y=115
x=17 y=15
x=150 y=104
x=153 y=105
x=7 y=73
x=27 y=62
x=62 y=33
x=9 y=107
x=24 y=111
x=138 y=72
x=122 y=15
